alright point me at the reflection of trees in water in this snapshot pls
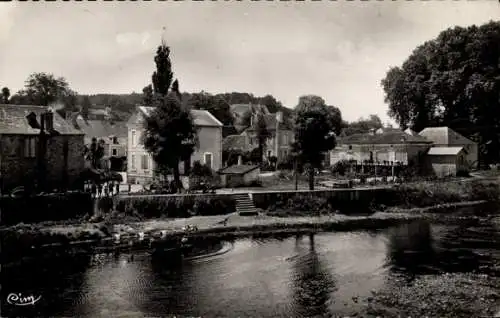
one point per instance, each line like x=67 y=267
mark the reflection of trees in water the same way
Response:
x=173 y=289
x=312 y=284
x=469 y=247
x=57 y=279
x=410 y=248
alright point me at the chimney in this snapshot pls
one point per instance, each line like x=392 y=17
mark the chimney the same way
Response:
x=240 y=161
x=279 y=116
x=49 y=120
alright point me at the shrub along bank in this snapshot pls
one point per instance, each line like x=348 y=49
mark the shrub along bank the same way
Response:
x=415 y=195
x=178 y=206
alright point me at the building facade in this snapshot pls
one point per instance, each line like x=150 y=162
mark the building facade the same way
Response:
x=280 y=139
x=446 y=137
x=140 y=164
x=23 y=154
x=382 y=147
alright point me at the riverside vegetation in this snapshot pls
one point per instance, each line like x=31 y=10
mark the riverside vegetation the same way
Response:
x=293 y=213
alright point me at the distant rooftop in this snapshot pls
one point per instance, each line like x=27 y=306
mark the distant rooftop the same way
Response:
x=388 y=138
x=201 y=117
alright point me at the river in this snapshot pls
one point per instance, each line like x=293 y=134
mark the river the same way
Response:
x=305 y=276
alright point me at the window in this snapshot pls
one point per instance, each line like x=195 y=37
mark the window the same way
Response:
x=208 y=159
x=350 y=147
x=145 y=162
x=132 y=163
x=30 y=147
x=115 y=140
x=134 y=138
x=115 y=152
x=269 y=154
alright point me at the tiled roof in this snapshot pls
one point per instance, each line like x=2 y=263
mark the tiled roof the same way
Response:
x=101 y=128
x=237 y=142
x=444 y=151
x=443 y=135
x=201 y=117
x=388 y=138
x=13 y=120
x=238 y=169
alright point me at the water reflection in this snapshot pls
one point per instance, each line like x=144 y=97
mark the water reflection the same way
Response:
x=57 y=279
x=410 y=248
x=419 y=248
x=291 y=277
x=312 y=283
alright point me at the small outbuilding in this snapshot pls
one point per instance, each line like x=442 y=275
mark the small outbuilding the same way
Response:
x=447 y=161
x=239 y=175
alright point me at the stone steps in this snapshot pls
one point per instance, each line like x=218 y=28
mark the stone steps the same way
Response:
x=245 y=205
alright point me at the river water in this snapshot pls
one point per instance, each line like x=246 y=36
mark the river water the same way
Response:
x=288 y=277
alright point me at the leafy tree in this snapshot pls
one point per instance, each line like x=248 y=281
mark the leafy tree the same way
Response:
x=315 y=126
x=163 y=76
x=43 y=89
x=217 y=106
x=147 y=91
x=5 y=95
x=95 y=153
x=271 y=103
x=86 y=105
x=452 y=81
x=363 y=125
x=170 y=134
x=262 y=133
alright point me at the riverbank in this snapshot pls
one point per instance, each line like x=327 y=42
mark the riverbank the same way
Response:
x=448 y=295
x=21 y=239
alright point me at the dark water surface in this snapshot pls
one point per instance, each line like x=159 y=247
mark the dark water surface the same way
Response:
x=292 y=277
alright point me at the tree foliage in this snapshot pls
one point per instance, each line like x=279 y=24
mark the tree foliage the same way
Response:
x=43 y=89
x=217 y=106
x=86 y=105
x=454 y=81
x=147 y=91
x=262 y=133
x=170 y=135
x=362 y=125
x=5 y=95
x=95 y=152
x=315 y=127
x=163 y=76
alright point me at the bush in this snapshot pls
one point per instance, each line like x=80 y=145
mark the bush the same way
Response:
x=431 y=193
x=340 y=167
x=176 y=206
x=309 y=203
x=46 y=207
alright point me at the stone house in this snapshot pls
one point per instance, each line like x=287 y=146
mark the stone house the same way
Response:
x=281 y=136
x=239 y=175
x=114 y=134
x=389 y=147
x=440 y=150
x=140 y=165
x=23 y=156
x=446 y=137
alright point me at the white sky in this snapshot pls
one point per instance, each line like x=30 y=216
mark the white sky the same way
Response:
x=338 y=50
